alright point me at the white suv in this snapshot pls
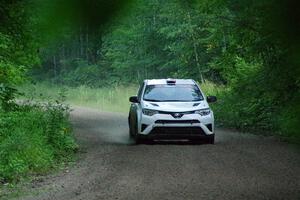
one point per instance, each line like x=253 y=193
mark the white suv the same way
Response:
x=167 y=109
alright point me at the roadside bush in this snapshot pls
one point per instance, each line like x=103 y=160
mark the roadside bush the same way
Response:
x=33 y=139
x=251 y=102
x=7 y=96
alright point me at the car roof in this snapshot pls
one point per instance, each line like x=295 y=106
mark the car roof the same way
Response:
x=164 y=81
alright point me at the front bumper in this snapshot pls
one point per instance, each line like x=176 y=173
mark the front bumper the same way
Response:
x=164 y=126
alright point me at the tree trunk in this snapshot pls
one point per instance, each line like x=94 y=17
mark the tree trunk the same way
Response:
x=81 y=42
x=224 y=41
x=63 y=51
x=54 y=68
x=87 y=44
x=195 y=50
x=138 y=75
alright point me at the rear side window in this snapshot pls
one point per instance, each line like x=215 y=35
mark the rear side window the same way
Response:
x=184 y=93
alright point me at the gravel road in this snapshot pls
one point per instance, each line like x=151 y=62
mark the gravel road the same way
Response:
x=238 y=166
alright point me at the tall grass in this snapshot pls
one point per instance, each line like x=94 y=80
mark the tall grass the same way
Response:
x=113 y=99
x=210 y=88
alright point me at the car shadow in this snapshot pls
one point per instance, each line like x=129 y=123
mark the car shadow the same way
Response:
x=173 y=142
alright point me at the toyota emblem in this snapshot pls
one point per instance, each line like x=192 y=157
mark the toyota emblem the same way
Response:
x=177 y=115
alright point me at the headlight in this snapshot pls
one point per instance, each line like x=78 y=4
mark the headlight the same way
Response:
x=149 y=112
x=203 y=112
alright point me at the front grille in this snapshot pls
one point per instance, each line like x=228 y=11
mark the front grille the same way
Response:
x=171 y=113
x=177 y=121
x=176 y=115
x=177 y=130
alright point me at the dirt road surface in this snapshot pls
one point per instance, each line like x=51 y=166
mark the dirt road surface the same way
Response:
x=238 y=166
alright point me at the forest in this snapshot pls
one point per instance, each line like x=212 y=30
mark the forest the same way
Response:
x=246 y=52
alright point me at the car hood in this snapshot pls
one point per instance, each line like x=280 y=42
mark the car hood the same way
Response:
x=175 y=106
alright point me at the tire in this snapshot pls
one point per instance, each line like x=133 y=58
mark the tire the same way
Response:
x=138 y=140
x=210 y=139
x=131 y=134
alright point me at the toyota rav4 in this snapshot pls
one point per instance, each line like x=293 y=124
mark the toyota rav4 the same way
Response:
x=168 y=109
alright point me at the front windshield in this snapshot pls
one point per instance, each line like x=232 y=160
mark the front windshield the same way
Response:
x=172 y=93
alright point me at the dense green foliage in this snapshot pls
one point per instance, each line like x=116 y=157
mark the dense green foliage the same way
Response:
x=18 y=47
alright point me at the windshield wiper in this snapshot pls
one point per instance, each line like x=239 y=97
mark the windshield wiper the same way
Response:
x=154 y=100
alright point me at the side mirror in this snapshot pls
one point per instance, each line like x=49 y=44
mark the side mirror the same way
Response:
x=211 y=99
x=134 y=99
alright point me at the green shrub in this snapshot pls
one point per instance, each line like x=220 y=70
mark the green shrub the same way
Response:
x=33 y=139
x=7 y=96
x=251 y=103
x=288 y=120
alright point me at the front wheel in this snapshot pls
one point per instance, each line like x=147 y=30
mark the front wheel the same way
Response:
x=138 y=140
x=210 y=139
x=133 y=133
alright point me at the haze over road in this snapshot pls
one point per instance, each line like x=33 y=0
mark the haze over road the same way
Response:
x=238 y=166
